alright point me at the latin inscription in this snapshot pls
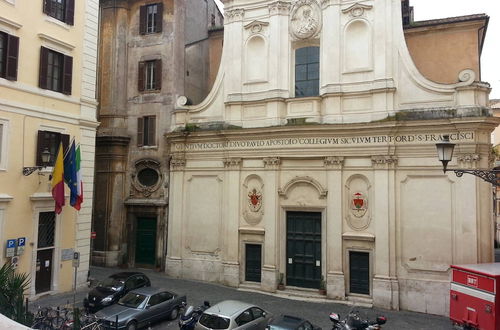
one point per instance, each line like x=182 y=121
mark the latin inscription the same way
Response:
x=322 y=141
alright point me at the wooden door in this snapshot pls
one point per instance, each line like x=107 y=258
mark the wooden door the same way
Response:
x=253 y=262
x=359 y=272
x=303 y=249
x=145 y=244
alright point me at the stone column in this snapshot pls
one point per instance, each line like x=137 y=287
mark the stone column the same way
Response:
x=173 y=263
x=230 y=263
x=270 y=219
x=385 y=284
x=112 y=140
x=335 y=280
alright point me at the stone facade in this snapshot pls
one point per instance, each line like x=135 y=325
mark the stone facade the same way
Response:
x=339 y=183
x=132 y=180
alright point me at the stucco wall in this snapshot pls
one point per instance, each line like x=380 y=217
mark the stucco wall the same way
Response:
x=441 y=52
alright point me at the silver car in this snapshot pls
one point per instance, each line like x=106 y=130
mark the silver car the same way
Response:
x=232 y=314
x=141 y=307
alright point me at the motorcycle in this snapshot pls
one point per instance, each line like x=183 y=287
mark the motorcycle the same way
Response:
x=354 y=322
x=188 y=319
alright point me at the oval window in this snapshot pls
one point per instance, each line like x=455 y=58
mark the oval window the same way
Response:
x=148 y=177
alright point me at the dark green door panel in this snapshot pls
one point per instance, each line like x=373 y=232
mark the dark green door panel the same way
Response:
x=359 y=270
x=253 y=263
x=145 y=244
x=303 y=249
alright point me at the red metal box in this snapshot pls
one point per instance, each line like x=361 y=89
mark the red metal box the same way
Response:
x=475 y=296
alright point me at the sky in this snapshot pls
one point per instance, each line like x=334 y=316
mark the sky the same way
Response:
x=490 y=58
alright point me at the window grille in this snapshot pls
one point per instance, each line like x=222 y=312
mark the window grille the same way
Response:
x=46 y=229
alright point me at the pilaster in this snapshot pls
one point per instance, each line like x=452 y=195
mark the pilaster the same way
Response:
x=335 y=279
x=173 y=263
x=232 y=188
x=385 y=288
x=270 y=219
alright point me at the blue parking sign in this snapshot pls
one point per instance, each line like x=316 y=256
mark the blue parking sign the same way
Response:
x=11 y=243
x=21 y=241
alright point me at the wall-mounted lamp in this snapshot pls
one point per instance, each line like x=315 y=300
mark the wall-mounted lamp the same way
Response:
x=45 y=161
x=445 y=153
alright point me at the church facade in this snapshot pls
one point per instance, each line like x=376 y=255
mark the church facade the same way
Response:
x=312 y=162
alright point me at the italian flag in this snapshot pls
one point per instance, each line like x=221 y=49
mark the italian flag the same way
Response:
x=79 y=182
x=57 y=182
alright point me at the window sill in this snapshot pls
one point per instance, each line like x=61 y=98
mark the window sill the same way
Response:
x=57 y=22
x=151 y=91
x=148 y=147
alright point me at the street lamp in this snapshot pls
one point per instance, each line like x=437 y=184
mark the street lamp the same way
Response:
x=45 y=162
x=445 y=153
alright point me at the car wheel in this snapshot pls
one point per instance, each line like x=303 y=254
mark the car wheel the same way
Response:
x=132 y=325
x=174 y=313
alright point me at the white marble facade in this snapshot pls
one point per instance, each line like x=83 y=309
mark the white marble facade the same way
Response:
x=361 y=155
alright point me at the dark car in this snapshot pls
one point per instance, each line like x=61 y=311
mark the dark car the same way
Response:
x=142 y=307
x=287 y=322
x=113 y=288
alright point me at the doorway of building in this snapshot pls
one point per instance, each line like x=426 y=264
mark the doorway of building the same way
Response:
x=45 y=251
x=253 y=262
x=359 y=272
x=303 y=249
x=145 y=243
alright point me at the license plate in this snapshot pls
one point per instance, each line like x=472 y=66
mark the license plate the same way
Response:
x=91 y=304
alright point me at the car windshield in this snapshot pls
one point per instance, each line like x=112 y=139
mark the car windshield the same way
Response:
x=112 y=284
x=132 y=299
x=214 y=321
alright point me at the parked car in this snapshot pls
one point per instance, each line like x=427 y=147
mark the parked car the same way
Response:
x=113 y=288
x=141 y=307
x=287 y=322
x=232 y=314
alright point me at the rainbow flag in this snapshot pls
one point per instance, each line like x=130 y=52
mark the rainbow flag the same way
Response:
x=57 y=182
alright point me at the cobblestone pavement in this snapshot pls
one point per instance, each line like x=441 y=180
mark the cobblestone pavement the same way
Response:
x=315 y=310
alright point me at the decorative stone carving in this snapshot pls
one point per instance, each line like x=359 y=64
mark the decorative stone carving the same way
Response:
x=253 y=200
x=357 y=190
x=279 y=8
x=146 y=178
x=359 y=204
x=356 y=10
x=234 y=15
x=283 y=192
x=256 y=26
x=272 y=161
x=467 y=76
x=232 y=162
x=177 y=162
x=305 y=19
x=334 y=162
x=469 y=158
x=384 y=161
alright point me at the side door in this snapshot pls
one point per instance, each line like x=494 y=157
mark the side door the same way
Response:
x=166 y=305
x=245 y=321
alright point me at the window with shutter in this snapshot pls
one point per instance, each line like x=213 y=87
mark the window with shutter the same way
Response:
x=151 y=18
x=146 y=131
x=9 y=52
x=140 y=132
x=50 y=141
x=149 y=75
x=62 y=10
x=56 y=71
